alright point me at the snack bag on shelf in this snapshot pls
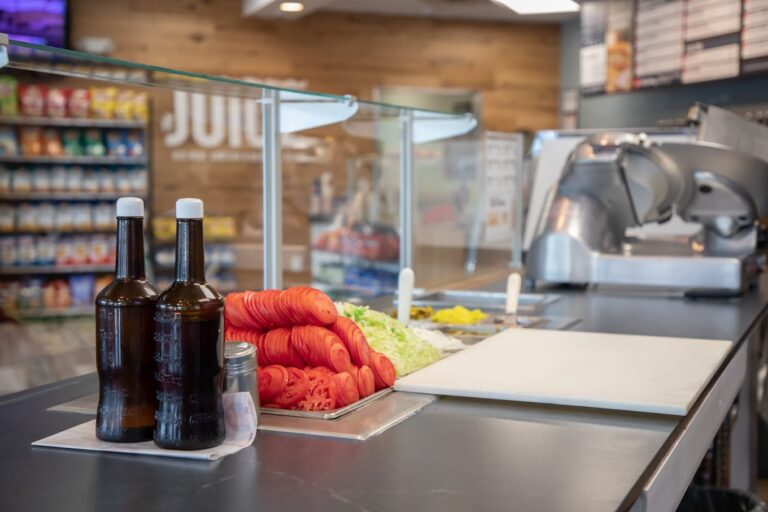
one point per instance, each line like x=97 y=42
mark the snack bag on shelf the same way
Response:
x=112 y=240
x=220 y=227
x=133 y=142
x=99 y=250
x=141 y=106
x=31 y=140
x=59 y=179
x=46 y=250
x=91 y=181
x=82 y=217
x=124 y=104
x=103 y=216
x=27 y=250
x=107 y=180
x=52 y=145
x=71 y=142
x=21 y=180
x=93 y=143
x=41 y=180
x=64 y=250
x=81 y=289
x=9 y=292
x=75 y=179
x=123 y=181
x=56 y=294
x=46 y=217
x=31 y=294
x=26 y=217
x=164 y=228
x=9 y=144
x=103 y=102
x=7 y=218
x=65 y=221
x=32 y=100
x=9 y=101
x=5 y=180
x=79 y=103
x=56 y=101
x=9 y=253
x=116 y=146
x=80 y=247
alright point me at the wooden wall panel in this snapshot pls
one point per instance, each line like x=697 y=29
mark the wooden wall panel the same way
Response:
x=514 y=65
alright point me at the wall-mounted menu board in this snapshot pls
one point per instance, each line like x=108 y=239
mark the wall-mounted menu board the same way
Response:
x=635 y=44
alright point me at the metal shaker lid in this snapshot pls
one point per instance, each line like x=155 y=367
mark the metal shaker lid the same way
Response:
x=239 y=357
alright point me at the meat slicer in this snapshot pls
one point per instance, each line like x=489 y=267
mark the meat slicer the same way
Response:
x=616 y=181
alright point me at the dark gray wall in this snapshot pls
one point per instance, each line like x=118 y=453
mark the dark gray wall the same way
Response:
x=646 y=108
x=569 y=54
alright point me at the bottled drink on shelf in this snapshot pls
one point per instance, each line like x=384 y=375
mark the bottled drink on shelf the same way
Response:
x=125 y=327
x=189 y=342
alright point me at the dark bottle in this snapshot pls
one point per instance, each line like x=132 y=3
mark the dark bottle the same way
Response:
x=189 y=342
x=125 y=327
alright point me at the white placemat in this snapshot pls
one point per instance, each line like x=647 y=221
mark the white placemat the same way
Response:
x=240 y=426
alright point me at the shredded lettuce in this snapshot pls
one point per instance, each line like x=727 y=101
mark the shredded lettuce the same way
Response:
x=401 y=345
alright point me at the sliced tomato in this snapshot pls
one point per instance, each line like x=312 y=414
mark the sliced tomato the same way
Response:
x=338 y=358
x=267 y=300
x=366 y=382
x=354 y=340
x=272 y=382
x=252 y=306
x=232 y=312
x=384 y=373
x=322 y=393
x=298 y=385
x=317 y=307
x=346 y=389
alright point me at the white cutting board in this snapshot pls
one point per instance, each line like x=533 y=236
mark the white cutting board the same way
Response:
x=607 y=371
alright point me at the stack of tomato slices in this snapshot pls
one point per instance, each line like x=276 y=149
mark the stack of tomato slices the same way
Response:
x=309 y=357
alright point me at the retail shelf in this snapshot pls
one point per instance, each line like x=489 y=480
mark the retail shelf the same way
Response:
x=50 y=313
x=72 y=121
x=77 y=160
x=352 y=260
x=56 y=269
x=17 y=232
x=68 y=196
x=165 y=265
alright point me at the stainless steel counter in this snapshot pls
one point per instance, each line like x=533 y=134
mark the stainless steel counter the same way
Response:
x=455 y=455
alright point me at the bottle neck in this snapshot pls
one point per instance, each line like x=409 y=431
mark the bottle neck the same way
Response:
x=190 y=261
x=130 y=248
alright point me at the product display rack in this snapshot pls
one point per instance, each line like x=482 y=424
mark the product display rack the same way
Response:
x=73 y=160
x=17 y=275
x=67 y=196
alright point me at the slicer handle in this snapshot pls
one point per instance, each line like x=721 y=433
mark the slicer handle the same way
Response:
x=514 y=282
x=405 y=295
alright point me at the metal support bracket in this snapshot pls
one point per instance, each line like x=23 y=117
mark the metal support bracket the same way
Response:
x=407 y=184
x=272 y=190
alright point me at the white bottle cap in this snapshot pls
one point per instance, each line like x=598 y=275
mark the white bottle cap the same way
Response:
x=189 y=208
x=130 y=207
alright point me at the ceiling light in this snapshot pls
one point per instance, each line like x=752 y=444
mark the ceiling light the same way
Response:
x=539 y=6
x=291 y=6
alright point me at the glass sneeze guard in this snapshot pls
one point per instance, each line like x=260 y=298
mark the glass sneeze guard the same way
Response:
x=208 y=133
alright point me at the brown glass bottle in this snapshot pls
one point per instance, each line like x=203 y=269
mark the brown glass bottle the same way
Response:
x=189 y=342
x=125 y=346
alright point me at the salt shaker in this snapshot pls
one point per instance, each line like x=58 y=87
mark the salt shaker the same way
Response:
x=240 y=368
